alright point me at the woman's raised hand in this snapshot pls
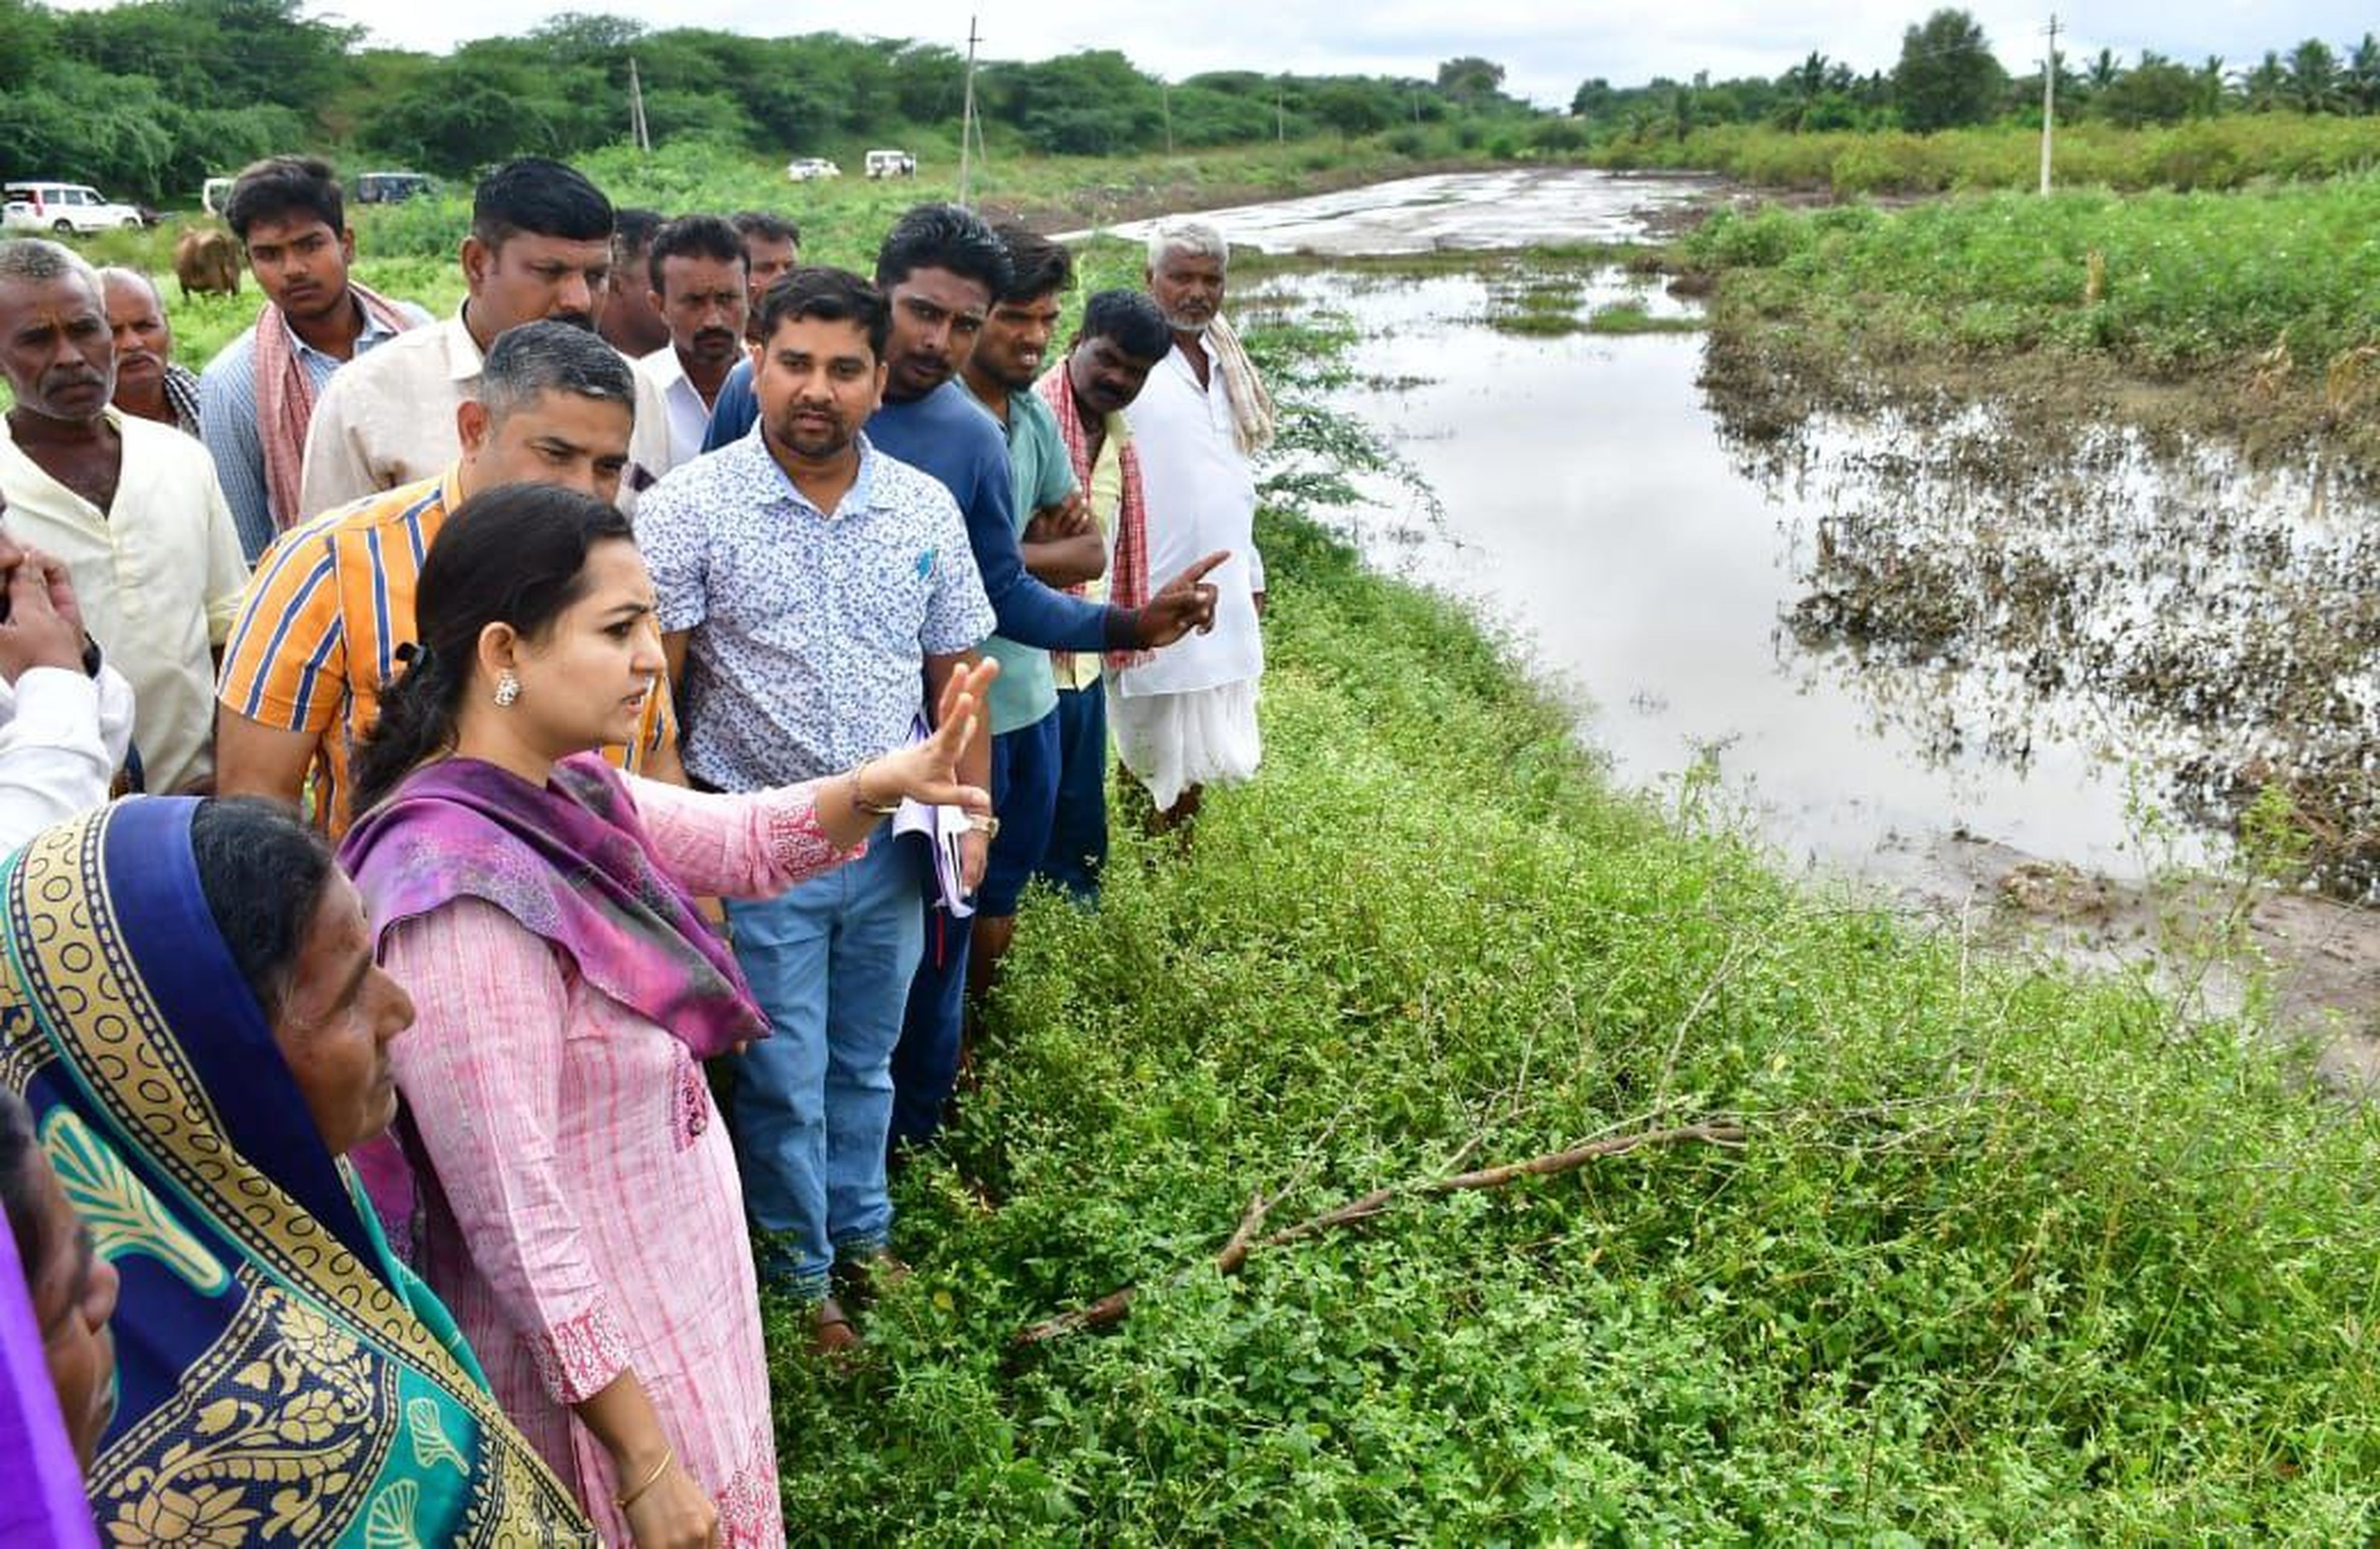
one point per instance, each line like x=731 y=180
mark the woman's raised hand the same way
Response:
x=928 y=771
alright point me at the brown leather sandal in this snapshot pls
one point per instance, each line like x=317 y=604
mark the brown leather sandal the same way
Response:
x=831 y=1334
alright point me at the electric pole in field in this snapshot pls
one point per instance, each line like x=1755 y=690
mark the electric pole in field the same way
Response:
x=636 y=129
x=2048 y=101
x=966 y=115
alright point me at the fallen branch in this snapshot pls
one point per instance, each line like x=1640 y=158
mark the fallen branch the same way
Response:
x=1113 y=1307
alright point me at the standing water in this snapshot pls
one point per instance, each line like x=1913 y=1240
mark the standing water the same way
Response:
x=1877 y=633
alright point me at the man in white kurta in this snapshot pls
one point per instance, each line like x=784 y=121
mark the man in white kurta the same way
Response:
x=1186 y=719
x=131 y=507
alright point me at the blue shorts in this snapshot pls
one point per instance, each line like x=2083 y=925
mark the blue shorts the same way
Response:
x=1025 y=796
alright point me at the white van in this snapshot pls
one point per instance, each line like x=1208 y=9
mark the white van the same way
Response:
x=892 y=163
x=63 y=208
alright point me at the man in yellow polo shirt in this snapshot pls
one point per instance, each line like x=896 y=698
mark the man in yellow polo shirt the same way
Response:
x=318 y=632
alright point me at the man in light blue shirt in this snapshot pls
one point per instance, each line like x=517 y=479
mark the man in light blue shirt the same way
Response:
x=809 y=586
x=256 y=396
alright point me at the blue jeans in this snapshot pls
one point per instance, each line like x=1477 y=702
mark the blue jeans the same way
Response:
x=1079 y=833
x=829 y=962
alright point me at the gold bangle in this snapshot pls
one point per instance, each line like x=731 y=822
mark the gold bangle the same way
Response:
x=859 y=800
x=669 y=1456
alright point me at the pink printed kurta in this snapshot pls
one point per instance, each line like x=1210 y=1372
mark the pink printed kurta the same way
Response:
x=582 y=1216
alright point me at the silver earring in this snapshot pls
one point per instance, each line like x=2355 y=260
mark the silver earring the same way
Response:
x=507 y=689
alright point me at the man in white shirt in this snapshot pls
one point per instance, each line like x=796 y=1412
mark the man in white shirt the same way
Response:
x=541 y=247
x=129 y=507
x=697 y=268
x=65 y=718
x=1187 y=719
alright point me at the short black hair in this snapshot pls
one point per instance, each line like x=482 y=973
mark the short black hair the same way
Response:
x=1132 y=319
x=535 y=196
x=279 y=186
x=550 y=355
x=694 y=237
x=750 y=224
x=1038 y=267
x=633 y=229
x=834 y=295
x=943 y=237
x=264 y=873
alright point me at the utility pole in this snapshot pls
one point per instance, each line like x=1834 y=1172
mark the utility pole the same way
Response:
x=966 y=115
x=2048 y=100
x=636 y=129
x=1166 y=87
x=1279 y=116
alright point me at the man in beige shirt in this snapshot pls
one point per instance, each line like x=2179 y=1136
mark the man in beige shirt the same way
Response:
x=541 y=247
x=131 y=507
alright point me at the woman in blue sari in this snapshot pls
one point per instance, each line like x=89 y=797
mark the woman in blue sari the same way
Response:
x=188 y=1004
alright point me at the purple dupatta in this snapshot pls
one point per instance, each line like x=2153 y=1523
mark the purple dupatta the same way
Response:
x=571 y=862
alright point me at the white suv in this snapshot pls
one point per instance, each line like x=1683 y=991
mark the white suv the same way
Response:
x=62 y=208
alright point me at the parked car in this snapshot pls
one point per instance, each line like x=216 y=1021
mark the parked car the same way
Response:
x=63 y=208
x=391 y=188
x=803 y=169
x=892 y=163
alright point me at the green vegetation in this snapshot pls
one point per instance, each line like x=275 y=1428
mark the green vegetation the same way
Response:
x=2208 y=153
x=2008 y=1256
x=1947 y=76
x=149 y=99
x=2183 y=282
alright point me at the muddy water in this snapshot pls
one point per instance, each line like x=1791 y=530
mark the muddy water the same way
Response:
x=1592 y=498
x=1461 y=210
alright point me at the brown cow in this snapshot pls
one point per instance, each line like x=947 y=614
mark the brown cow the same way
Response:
x=207 y=262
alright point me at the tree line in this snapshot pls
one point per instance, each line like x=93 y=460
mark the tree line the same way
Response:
x=149 y=98
x=1947 y=77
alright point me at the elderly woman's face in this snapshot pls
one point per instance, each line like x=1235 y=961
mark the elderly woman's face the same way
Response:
x=337 y=1020
x=74 y=1295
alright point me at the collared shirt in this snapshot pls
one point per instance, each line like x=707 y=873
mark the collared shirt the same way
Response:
x=158 y=575
x=1082 y=669
x=389 y=419
x=318 y=632
x=227 y=415
x=810 y=628
x=1041 y=474
x=689 y=416
x=1202 y=496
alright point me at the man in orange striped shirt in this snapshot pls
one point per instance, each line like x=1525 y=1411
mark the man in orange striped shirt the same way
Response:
x=333 y=599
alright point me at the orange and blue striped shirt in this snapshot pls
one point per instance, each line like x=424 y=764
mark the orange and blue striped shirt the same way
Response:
x=320 y=624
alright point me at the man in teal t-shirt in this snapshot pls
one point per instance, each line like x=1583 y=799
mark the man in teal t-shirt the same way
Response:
x=1062 y=548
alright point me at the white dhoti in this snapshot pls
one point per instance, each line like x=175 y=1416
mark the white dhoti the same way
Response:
x=1203 y=736
x=1187 y=716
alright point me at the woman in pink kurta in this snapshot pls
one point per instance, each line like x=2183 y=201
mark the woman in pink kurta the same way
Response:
x=578 y=1204
x=581 y=1215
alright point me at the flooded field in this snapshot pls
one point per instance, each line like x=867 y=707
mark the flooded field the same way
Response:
x=1927 y=645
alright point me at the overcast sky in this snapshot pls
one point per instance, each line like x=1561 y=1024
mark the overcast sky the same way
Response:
x=1546 y=46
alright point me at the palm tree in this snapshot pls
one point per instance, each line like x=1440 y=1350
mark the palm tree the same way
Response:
x=2363 y=75
x=2265 y=86
x=2313 y=85
x=2210 y=85
x=2103 y=70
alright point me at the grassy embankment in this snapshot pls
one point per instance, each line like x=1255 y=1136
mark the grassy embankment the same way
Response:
x=2006 y=1255
x=2204 y=153
x=2252 y=313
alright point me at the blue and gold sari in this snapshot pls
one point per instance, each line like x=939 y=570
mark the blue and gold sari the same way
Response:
x=280 y=1377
